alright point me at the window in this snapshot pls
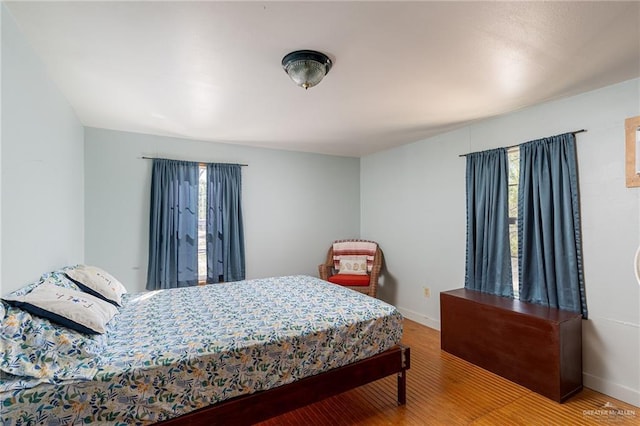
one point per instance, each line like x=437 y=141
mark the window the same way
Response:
x=202 y=224
x=189 y=204
x=532 y=213
x=513 y=155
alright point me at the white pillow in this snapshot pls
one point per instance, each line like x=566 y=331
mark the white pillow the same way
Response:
x=98 y=283
x=353 y=265
x=73 y=309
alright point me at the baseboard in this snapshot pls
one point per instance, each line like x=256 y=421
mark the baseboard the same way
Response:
x=623 y=393
x=420 y=318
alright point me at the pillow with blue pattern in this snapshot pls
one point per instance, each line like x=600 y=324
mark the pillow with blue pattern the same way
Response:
x=34 y=347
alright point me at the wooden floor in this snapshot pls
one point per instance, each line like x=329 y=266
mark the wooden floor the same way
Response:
x=445 y=390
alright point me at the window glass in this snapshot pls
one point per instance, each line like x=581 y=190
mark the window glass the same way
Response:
x=202 y=224
x=514 y=176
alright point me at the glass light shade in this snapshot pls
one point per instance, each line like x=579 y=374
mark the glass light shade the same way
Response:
x=306 y=67
x=305 y=73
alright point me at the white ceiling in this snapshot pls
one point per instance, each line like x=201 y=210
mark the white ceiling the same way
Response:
x=402 y=71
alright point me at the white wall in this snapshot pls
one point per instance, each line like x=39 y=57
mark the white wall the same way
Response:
x=42 y=172
x=294 y=204
x=413 y=203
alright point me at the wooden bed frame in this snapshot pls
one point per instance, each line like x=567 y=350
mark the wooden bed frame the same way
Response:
x=260 y=406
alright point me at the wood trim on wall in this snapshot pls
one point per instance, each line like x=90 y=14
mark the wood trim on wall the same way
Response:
x=631 y=126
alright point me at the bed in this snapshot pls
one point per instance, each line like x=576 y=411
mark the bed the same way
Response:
x=229 y=353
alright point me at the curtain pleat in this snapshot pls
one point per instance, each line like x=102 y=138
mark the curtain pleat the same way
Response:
x=173 y=229
x=549 y=237
x=225 y=232
x=488 y=259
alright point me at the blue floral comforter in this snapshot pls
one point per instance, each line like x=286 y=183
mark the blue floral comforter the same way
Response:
x=170 y=352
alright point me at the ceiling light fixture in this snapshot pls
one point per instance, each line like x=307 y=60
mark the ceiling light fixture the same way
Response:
x=306 y=67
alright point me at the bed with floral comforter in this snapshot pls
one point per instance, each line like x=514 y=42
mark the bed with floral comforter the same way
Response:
x=169 y=352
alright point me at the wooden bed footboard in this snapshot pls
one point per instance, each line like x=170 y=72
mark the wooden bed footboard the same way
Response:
x=260 y=406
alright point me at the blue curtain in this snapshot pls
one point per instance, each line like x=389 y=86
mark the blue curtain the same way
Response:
x=488 y=264
x=549 y=239
x=173 y=229
x=225 y=233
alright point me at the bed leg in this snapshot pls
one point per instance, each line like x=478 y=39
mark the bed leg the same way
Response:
x=402 y=375
x=402 y=387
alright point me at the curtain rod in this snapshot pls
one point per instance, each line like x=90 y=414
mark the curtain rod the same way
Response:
x=518 y=144
x=199 y=162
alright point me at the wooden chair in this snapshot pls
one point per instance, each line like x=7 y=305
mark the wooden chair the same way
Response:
x=364 y=283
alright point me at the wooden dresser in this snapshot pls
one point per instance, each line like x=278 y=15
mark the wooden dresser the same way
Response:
x=533 y=345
